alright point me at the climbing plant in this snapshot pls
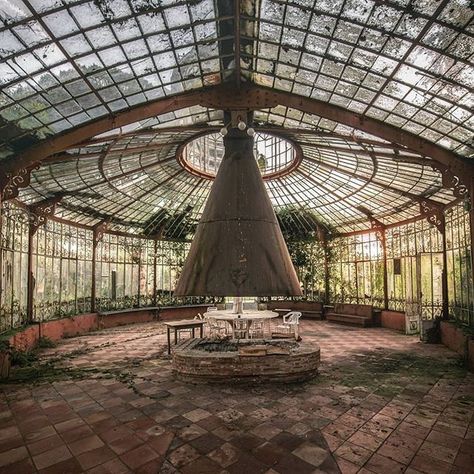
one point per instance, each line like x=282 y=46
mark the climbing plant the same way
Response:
x=304 y=236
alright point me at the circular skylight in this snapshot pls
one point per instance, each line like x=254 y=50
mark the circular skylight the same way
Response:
x=275 y=155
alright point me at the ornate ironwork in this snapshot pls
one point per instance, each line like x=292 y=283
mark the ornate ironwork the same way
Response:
x=434 y=214
x=99 y=231
x=450 y=180
x=378 y=227
x=40 y=212
x=11 y=183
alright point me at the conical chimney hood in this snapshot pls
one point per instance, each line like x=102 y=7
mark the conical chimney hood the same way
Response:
x=238 y=248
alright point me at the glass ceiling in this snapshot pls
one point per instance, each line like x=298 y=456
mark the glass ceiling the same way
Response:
x=65 y=63
x=203 y=155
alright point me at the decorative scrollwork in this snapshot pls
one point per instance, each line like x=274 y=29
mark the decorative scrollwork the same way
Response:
x=40 y=212
x=450 y=180
x=379 y=229
x=11 y=183
x=99 y=231
x=434 y=213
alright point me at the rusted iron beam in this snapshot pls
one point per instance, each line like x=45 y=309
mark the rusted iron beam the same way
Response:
x=249 y=97
x=237 y=42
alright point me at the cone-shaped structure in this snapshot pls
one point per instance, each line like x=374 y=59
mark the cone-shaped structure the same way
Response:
x=238 y=248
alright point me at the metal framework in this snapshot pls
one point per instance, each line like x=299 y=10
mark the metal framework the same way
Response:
x=97 y=97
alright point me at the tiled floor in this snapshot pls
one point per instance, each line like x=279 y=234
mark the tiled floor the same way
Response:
x=108 y=403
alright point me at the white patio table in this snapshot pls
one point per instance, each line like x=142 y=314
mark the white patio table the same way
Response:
x=231 y=318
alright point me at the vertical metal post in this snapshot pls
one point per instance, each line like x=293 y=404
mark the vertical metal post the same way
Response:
x=385 y=272
x=94 y=277
x=444 y=277
x=326 y=271
x=471 y=222
x=31 y=279
x=155 y=251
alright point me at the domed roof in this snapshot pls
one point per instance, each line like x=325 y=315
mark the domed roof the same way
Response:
x=376 y=96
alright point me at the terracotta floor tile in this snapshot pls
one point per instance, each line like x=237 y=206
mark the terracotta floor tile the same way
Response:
x=75 y=434
x=445 y=439
x=413 y=430
x=85 y=444
x=51 y=457
x=245 y=429
x=292 y=464
x=114 y=466
x=436 y=451
x=69 y=466
x=339 y=430
x=45 y=444
x=206 y=443
x=122 y=445
x=25 y=466
x=202 y=465
x=346 y=467
x=465 y=460
x=366 y=440
x=139 y=456
x=312 y=454
x=95 y=457
x=13 y=455
x=382 y=465
x=353 y=453
x=190 y=432
x=183 y=455
x=429 y=465
x=225 y=455
x=39 y=433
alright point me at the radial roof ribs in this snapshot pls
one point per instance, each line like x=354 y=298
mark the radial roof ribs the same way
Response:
x=238 y=248
x=373 y=91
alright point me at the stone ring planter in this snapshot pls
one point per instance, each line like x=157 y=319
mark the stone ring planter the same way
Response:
x=201 y=360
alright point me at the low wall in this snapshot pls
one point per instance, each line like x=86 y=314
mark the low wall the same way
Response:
x=168 y=313
x=393 y=320
x=55 y=330
x=454 y=338
x=27 y=338
x=121 y=319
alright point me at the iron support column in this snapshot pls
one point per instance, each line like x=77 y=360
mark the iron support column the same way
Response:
x=31 y=280
x=385 y=273
x=155 y=250
x=94 y=277
x=444 y=278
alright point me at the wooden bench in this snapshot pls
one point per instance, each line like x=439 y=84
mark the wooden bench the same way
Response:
x=308 y=309
x=352 y=314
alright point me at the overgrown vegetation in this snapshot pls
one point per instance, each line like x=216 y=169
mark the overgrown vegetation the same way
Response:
x=45 y=343
x=305 y=237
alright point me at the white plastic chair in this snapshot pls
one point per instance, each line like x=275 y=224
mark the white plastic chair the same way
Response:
x=215 y=327
x=257 y=329
x=240 y=328
x=291 y=323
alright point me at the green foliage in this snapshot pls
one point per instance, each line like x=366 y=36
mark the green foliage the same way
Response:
x=300 y=225
x=164 y=224
x=23 y=358
x=304 y=235
x=5 y=346
x=45 y=343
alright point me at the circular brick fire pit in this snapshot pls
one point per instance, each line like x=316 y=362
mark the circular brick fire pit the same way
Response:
x=204 y=360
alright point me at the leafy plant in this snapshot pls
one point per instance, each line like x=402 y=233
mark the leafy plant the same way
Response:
x=23 y=358
x=305 y=237
x=46 y=343
x=178 y=225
